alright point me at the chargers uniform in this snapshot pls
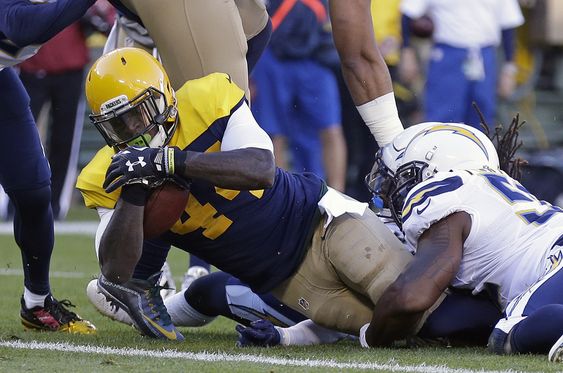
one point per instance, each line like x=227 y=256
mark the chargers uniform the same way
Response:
x=263 y=237
x=515 y=239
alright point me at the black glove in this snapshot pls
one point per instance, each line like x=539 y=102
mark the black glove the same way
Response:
x=260 y=333
x=147 y=166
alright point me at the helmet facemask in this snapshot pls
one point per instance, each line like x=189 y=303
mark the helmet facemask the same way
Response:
x=406 y=178
x=145 y=120
x=380 y=182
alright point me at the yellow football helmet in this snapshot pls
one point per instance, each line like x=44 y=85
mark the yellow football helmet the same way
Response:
x=131 y=99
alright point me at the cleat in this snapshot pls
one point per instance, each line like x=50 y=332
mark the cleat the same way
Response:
x=104 y=307
x=193 y=274
x=556 y=352
x=143 y=303
x=54 y=316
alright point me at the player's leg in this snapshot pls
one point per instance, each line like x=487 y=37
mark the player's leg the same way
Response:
x=220 y=294
x=196 y=38
x=257 y=28
x=25 y=174
x=534 y=320
x=463 y=319
x=344 y=272
x=484 y=92
x=319 y=107
x=447 y=90
x=65 y=130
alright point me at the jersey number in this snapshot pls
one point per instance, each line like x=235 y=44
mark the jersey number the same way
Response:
x=514 y=192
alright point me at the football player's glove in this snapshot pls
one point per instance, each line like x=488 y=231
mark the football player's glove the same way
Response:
x=260 y=333
x=147 y=166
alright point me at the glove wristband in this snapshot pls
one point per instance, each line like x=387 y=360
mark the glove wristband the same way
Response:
x=178 y=159
x=135 y=194
x=363 y=331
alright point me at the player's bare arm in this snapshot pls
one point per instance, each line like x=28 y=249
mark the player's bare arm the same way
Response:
x=240 y=169
x=363 y=66
x=122 y=241
x=402 y=305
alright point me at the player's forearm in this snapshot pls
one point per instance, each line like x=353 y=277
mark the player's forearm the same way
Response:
x=363 y=67
x=241 y=169
x=122 y=241
x=25 y=23
x=397 y=313
x=308 y=333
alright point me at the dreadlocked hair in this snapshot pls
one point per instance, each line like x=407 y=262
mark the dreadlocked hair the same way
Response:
x=507 y=143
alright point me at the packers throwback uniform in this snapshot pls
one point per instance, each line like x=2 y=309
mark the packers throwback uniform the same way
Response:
x=273 y=239
x=515 y=240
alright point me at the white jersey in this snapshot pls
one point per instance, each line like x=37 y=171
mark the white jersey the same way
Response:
x=467 y=24
x=512 y=232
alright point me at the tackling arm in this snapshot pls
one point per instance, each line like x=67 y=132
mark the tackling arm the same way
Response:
x=363 y=66
x=402 y=305
x=25 y=22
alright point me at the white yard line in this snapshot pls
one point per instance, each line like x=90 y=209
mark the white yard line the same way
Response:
x=52 y=274
x=77 y=227
x=238 y=358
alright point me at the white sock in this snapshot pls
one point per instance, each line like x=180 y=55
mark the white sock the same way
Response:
x=33 y=300
x=183 y=314
x=382 y=118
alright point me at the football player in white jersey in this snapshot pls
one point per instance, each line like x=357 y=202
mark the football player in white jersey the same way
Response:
x=475 y=228
x=459 y=314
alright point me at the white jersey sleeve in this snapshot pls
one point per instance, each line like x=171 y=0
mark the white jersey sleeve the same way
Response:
x=244 y=132
x=430 y=202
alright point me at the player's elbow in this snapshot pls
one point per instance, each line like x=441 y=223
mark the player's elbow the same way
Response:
x=264 y=169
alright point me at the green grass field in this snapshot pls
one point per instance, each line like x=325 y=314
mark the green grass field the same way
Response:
x=117 y=347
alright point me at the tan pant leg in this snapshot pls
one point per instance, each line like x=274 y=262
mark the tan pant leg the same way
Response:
x=196 y=37
x=254 y=16
x=344 y=272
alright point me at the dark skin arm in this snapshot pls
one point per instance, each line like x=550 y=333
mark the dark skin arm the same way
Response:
x=122 y=242
x=240 y=169
x=437 y=260
x=363 y=67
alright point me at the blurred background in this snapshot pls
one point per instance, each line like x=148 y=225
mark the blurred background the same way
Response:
x=339 y=146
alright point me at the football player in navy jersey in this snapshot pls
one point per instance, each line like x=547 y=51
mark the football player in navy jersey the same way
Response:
x=24 y=170
x=316 y=250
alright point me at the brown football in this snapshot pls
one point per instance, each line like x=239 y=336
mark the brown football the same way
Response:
x=163 y=208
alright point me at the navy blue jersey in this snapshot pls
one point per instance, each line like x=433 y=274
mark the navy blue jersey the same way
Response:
x=265 y=236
